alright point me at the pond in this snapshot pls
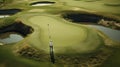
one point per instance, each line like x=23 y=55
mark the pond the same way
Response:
x=92 y=21
x=85 y=17
x=8 y=38
x=42 y=3
x=113 y=34
x=14 y=32
x=17 y=27
x=7 y=12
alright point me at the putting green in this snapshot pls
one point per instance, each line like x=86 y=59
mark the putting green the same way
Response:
x=67 y=37
x=94 y=5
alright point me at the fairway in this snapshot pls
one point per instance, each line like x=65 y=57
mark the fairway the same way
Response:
x=76 y=39
x=94 y=5
x=65 y=24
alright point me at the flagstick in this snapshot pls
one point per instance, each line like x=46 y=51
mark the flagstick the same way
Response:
x=51 y=47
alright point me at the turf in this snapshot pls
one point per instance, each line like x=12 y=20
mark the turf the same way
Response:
x=65 y=35
x=68 y=38
x=94 y=5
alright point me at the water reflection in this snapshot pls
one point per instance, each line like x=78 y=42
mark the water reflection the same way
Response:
x=114 y=34
x=10 y=38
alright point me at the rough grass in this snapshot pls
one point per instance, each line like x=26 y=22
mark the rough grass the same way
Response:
x=112 y=4
x=65 y=41
x=8 y=58
x=63 y=34
x=7 y=21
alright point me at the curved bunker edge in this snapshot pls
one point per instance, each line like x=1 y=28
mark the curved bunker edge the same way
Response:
x=94 y=18
x=17 y=27
x=40 y=3
x=9 y=11
x=66 y=59
x=77 y=16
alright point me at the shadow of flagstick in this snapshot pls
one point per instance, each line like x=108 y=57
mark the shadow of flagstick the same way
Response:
x=52 y=58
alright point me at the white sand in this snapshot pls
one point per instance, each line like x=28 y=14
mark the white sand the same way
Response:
x=41 y=4
x=3 y=16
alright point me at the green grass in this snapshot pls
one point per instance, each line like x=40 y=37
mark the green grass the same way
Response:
x=113 y=4
x=9 y=59
x=69 y=35
x=7 y=21
x=113 y=60
x=97 y=6
x=68 y=38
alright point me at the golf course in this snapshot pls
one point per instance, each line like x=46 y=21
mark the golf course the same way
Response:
x=59 y=33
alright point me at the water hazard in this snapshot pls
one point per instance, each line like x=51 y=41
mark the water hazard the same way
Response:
x=8 y=38
x=113 y=34
x=92 y=21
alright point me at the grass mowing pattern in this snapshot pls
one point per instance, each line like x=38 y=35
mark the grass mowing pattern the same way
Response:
x=66 y=37
x=8 y=60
